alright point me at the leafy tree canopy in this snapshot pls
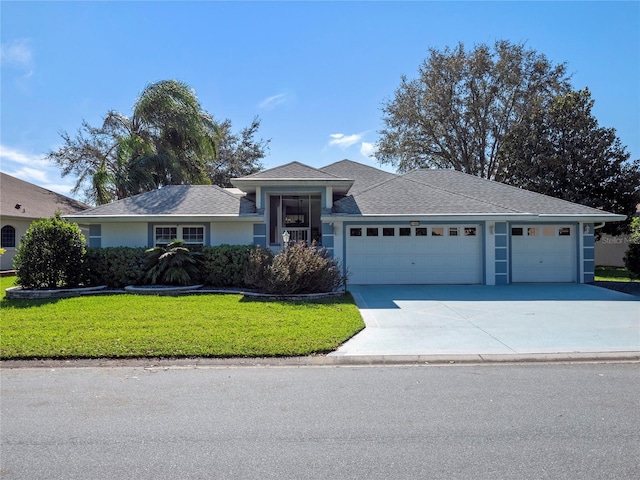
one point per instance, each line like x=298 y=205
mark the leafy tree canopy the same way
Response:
x=458 y=110
x=560 y=150
x=169 y=139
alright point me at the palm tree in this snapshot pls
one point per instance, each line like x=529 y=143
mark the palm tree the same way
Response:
x=168 y=140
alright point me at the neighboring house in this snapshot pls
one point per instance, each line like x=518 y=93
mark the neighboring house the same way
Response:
x=424 y=227
x=20 y=204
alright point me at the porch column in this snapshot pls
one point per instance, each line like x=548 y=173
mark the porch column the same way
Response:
x=328 y=197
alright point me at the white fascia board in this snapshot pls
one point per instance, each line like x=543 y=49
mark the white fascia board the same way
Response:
x=587 y=217
x=162 y=218
x=249 y=186
x=500 y=217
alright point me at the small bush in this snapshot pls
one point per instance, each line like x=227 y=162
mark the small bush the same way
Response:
x=225 y=265
x=51 y=254
x=298 y=269
x=115 y=267
x=173 y=264
x=256 y=273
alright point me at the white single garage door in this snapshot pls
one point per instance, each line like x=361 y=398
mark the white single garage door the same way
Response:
x=439 y=254
x=543 y=253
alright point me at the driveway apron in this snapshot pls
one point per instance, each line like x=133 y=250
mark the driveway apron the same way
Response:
x=479 y=319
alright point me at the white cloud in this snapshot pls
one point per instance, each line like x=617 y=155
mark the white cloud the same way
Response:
x=367 y=149
x=344 y=141
x=17 y=53
x=11 y=155
x=273 y=101
x=33 y=168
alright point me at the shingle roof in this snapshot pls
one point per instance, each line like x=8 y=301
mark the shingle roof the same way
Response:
x=292 y=170
x=499 y=194
x=178 y=200
x=34 y=201
x=364 y=176
x=434 y=192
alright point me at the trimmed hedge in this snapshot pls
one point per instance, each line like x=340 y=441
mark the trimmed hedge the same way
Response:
x=115 y=267
x=225 y=265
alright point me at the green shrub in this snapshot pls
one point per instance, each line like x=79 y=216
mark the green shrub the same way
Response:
x=298 y=269
x=225 y=265
x=256 y=273
x=173 y=264
x=632 y=255
x=51 y=254
x=115 y=267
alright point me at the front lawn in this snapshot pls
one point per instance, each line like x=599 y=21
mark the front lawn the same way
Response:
x=613 y=274
x=186 y=326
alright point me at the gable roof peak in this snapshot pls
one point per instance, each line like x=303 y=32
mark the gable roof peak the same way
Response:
x=291 y=170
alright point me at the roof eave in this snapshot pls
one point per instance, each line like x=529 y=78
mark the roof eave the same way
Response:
x=164 y=218
x=485 y=217
x=248 y=185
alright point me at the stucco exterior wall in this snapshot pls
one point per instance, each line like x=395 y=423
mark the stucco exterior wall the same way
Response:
x=124 y=235
x=231 y=233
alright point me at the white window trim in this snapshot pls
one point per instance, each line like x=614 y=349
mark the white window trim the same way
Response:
x=179 y=233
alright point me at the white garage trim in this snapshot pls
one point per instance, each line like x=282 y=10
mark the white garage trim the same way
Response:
x=398 y=253
x=543 y=253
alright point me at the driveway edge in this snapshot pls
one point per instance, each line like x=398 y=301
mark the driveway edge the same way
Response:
x=328 y=360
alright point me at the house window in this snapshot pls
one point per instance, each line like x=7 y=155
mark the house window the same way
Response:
x=421 y=231
x=165 y=235
x=355 y=232
x=388 y=232
x=437 y=232
x=405 y=232
x=532 y=231
x=516 y=231
x=470 y=231
x=372 y=232
x=453 y=231
x=564 y=231
x=193 y=235
x=8 y=237
x=190 y=235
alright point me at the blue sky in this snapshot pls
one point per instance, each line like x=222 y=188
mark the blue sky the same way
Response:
x=316 y=73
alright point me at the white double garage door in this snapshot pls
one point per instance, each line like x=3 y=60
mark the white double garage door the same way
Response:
x=453 y=254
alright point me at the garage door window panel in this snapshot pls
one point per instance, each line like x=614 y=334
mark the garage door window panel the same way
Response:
x=421 y=232
x=355 y=232
x=372 y=232
x=388 y=232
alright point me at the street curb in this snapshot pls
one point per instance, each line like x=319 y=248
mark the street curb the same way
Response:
x=328 y=360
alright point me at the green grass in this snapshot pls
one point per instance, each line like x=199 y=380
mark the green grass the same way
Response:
x=120 y=326
x=613 y=274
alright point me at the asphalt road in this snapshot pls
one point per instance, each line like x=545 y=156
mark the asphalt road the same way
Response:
x=555 y=421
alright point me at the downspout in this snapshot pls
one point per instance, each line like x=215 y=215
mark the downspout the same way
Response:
x=600 y=225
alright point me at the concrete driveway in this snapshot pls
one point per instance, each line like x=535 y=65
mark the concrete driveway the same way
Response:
x=409 y=320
